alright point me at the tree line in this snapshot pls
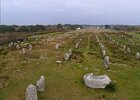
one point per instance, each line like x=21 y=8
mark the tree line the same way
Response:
x=37 y=28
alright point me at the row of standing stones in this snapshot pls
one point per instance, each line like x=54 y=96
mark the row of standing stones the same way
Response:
x=31 y=91
x=102 y=47
x=17 y=46
x=91 y=80
x=125 y=48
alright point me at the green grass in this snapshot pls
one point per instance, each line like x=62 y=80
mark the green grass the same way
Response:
x=65 y=81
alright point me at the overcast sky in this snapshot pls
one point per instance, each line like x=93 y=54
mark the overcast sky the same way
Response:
x=23 y=12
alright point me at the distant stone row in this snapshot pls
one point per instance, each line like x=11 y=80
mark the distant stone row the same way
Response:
x=106 y=58
x=124 y=47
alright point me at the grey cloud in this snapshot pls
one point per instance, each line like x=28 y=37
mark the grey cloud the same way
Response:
x=70 y=11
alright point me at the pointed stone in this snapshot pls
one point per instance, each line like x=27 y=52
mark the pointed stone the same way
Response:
x=40 y=84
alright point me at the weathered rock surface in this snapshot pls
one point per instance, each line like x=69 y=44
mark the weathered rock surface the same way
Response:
x=70 y=52
x=124 y=47
x=77 y=45
x=17 y=46
x=106 y=62
x=57 y=46
x=23 y=50
x=137 y=55
x=30 y=47
x=66 y=56
x=104 y=52
x=31 y=93
x=94 y=81
x=128 y=50
x=102 y=47
x=40 y=84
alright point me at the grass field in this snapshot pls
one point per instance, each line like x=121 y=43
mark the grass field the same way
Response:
x=65 y=81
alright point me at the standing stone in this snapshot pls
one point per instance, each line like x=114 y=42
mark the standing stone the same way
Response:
x=137 y=55
x=124 y=47
x=40 y=84
x=57 y=46
x=113 y=41
x=17 y=46
x=23 y=50
x=128 y=50
x=66 y=56
x=104 y=52
x=106 y=62
x=10 y=45
x=70 y=52
x=77 y=45
x=30 y=47
x=63 y=42
x=80 y=40
x=117 y=43
x=97 y=39
x=100 y=44
x=15 y=43
x=31 y=93
x=102 y=47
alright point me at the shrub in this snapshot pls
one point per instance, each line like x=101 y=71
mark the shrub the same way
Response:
x=111 y=87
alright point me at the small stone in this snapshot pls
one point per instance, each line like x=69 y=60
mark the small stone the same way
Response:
x=128 y=50
x=57 y=46
x=77 y=45
x=137 y=55
x=17 y=46
x=86 y=68
x=124 y=47
x=30 y=47
x=66 y=56
x=70 y=52
x=102 y=47
x=104 y=52
x=59 y=62
x=10 y=45
x=23 y=50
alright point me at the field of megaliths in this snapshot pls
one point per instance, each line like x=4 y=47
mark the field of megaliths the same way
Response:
x=75 y=65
